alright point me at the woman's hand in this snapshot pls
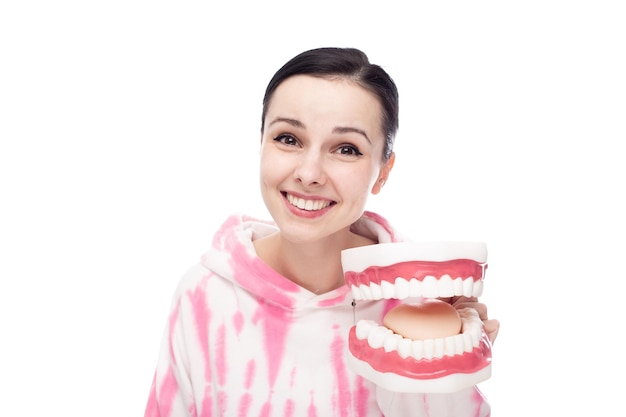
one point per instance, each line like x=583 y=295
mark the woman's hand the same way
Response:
x=492 y=326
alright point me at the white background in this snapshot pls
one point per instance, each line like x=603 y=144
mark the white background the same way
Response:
x=130 y=129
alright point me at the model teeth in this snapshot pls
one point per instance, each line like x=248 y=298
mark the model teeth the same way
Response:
x=309 y=205
x=381 y=337
x=429 y=287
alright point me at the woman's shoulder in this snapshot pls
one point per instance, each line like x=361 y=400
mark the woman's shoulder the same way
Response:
x=192 y=278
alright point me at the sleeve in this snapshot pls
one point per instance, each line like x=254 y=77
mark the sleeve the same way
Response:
x=469 y=402
x=171 y=393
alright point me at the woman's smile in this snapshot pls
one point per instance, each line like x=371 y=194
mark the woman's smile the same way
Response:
x=307 y=207
x=307 y=204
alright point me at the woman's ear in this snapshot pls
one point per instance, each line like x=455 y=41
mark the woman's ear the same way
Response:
x=384 y=174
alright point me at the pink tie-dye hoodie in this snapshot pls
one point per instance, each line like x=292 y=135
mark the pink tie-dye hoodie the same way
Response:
x=242 y=340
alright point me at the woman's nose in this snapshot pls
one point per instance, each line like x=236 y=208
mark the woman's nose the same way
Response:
x=310 y=169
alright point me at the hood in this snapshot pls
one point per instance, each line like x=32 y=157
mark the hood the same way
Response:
x=232 y=256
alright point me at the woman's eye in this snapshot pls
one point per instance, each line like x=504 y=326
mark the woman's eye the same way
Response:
x=287 y=140
x=349 y=150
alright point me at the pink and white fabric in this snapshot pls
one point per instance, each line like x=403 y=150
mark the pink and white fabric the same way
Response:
x=242 y=340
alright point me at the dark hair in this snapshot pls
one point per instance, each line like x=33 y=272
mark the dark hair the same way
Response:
x=352 y=64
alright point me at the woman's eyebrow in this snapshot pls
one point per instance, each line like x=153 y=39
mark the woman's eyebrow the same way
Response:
x=342 y=129
x=293 y=122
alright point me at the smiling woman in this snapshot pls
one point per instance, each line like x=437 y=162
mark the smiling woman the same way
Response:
x=320 y=159
x=328 y=127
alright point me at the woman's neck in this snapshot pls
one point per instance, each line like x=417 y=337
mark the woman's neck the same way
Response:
x=315 y=266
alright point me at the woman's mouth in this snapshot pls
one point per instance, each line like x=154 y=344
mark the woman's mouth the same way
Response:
x=307 y=204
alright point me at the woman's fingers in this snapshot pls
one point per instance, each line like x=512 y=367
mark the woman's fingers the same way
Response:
x=492 y=326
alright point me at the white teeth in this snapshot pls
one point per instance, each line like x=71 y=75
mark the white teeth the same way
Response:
x=381 y=337
x=430 y=287
x=404 y=347
x=457 y=285
x=365 y=292
x=309 y=205
x=429 y=349
x=467 y=288
x=467 y=340
x=402 y=288
x=364 y=327
x=446 y=286
x=459 y=344
x=389 y=291
x=356 y=293
x=478 y=289
x=391 y=343
x=376 y=291
x=377 y=336
x=417 y=349
x=415 y=288
x=439 y=347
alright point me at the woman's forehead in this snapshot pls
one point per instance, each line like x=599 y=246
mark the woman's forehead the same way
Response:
x=307 y=99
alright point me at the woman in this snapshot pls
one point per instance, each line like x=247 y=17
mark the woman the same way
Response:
x=259 y=327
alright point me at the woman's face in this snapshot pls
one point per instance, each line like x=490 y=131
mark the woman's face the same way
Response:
x=321 y=156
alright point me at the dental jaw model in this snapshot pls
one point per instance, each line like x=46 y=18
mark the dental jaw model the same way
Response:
x=424 y=344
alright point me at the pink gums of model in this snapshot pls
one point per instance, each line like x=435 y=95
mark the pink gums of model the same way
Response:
x=418 y=270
